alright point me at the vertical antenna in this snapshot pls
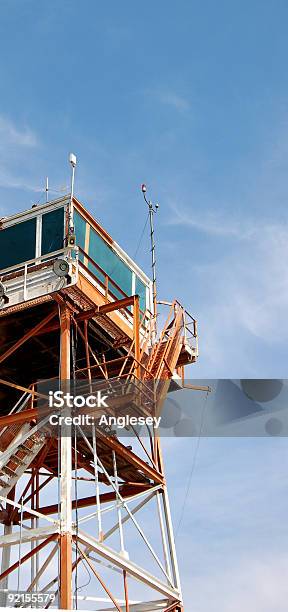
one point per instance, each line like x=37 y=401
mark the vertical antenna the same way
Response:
x=47 y=189
x=73 y=162
x=152 y=210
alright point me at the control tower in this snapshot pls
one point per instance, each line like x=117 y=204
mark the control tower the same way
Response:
x=85 y=519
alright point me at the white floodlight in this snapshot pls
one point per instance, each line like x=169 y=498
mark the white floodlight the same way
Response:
x=61 y=267
x=72 y=160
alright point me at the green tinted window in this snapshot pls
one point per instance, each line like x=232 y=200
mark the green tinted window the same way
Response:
x=140 y=289
x=109 y=261
x=52 y=231
x=17 y=243
x=80 y=231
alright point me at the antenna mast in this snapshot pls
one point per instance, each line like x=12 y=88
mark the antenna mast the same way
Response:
x=47 y=189
x=152 y=211
x=73 y=162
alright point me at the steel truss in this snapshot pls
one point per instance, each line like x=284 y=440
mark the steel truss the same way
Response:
x=32 y=466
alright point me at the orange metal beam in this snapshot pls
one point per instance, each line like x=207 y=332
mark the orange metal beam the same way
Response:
x=105 y=308
x=175 y=607
x=32 y=332
x=28 y=556
x=125 y=491
x=92 y=293
x=20 y=417
x=66 y=571
x=66 y=461
x=21 y=388
x=126 y=591
x=87 y=350
x=131 y=458
x=82 y=553
x=136 y=334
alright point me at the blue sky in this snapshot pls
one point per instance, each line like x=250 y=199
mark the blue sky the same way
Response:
x=191 y=98
x=232 y=540
x=193 y=101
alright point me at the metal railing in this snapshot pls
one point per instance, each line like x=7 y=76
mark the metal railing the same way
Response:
x=111 y=290
x=34 y=263
x=30 y=275
x=190 y=331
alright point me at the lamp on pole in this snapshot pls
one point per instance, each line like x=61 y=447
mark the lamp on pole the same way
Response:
x=73 y=163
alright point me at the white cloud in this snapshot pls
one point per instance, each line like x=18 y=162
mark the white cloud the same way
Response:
x=232 y=541
x=211 y=223
x=13 y=180
x=253 y=585
x=169 y=98
x=10 y=134
x=17 y=145
x=172 y=99
x=244 y=289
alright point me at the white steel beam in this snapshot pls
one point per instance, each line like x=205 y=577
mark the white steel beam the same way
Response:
x=6 y=553
x=30 y=510
x=43 y=568
x=131 y=568
x=123 y=503
x=11 y=539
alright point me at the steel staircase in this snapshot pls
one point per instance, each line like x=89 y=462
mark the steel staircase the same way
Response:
x=166 y=352
x=26 y=443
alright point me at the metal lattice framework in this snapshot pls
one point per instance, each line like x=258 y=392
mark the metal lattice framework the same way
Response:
x=68 y=502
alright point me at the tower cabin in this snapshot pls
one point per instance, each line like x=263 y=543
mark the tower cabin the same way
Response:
x=57 y=253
